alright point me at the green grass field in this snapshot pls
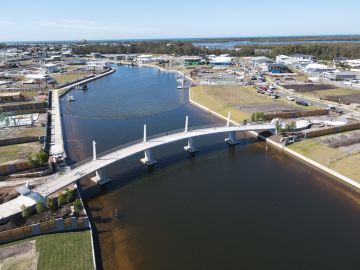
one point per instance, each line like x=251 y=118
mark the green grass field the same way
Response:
x=63 y=251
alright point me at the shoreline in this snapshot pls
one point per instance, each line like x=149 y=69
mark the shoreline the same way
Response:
x=341 y=178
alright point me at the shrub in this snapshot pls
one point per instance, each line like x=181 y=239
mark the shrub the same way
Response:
x=25 y=211
x=69 y=196
x=40 y=207
x=51 y=204
x=61 y=200
x=77 y=206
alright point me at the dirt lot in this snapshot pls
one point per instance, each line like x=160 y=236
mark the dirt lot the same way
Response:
x=268 y=108
x=347 y=99
x=309 y=87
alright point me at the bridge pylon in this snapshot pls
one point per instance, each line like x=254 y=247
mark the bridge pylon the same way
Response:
x=147 y=159
x=231 y=139
x=100 y=177
x=190 y=147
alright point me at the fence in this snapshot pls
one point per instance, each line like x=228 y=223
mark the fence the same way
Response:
x=331 y=130
x=51 y=226
x=295 y=114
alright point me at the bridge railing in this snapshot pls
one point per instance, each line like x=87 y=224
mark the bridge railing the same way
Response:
x=158 y=135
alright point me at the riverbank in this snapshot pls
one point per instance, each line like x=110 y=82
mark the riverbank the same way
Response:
x=348 y=181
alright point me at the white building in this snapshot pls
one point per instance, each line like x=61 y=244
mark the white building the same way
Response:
x=318 y=68
x=38 y=79
x=96 y=65
x=52 y=68
x=223 y=60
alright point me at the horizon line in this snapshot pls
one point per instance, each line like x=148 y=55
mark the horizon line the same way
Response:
x=179 y=39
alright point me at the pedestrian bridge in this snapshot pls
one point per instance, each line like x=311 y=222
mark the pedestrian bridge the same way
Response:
x=97 y=162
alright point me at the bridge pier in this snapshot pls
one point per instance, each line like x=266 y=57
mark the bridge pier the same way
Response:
x=232 y=135
x=190 y=147
x=100 y=177
x=232 y=138
x=147 y=159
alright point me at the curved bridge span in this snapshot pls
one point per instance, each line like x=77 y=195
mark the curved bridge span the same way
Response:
x=97 y=162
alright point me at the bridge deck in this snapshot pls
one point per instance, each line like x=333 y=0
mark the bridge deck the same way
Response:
x=127 y=151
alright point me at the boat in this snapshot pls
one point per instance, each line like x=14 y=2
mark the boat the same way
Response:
x=84 y=87
x=70 y=98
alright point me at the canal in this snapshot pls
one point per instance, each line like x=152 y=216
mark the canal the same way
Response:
x=243 y=207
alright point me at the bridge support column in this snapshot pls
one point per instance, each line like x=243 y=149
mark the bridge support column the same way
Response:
x=100 y=178
x=232 y=138
x=190 y=147
x=148 y=160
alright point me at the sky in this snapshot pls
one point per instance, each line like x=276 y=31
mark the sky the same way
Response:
x=33 y=20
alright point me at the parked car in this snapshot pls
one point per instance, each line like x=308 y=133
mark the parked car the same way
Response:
x=302 y=103
x=333 y=109
x=290 y=98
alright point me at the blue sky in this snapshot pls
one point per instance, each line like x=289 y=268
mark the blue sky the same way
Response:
x=124 y=19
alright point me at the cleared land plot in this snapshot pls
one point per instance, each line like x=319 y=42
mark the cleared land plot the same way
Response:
x=347 y=99
x=309 y=87
x=17 y=151
x=268 y=108
x=21 y=132
x=223 y=99
x=70 y=250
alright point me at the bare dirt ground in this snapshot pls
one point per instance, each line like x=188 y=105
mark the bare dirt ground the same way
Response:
x=309 y=87
x=347 y=99
x=20 y=256
x=268 y=108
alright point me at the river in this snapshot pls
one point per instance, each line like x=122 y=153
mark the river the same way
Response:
x=243 y=207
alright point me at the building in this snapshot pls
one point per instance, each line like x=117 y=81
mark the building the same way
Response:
x=192 y=60
x=38 y=79
x=96 y=65
x=304 y=57
x=277 y=68
x=341 y=76
x=222 y=60
x=318 y=68
x=257 y=61
x=52 y=68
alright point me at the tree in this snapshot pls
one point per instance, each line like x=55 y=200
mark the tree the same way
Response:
x=40 y=207
x=292 y=125
x=278 y=127
x=51 y=204
x=25 y=211
x=77 y=206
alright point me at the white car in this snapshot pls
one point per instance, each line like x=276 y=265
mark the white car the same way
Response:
x=290 y=98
